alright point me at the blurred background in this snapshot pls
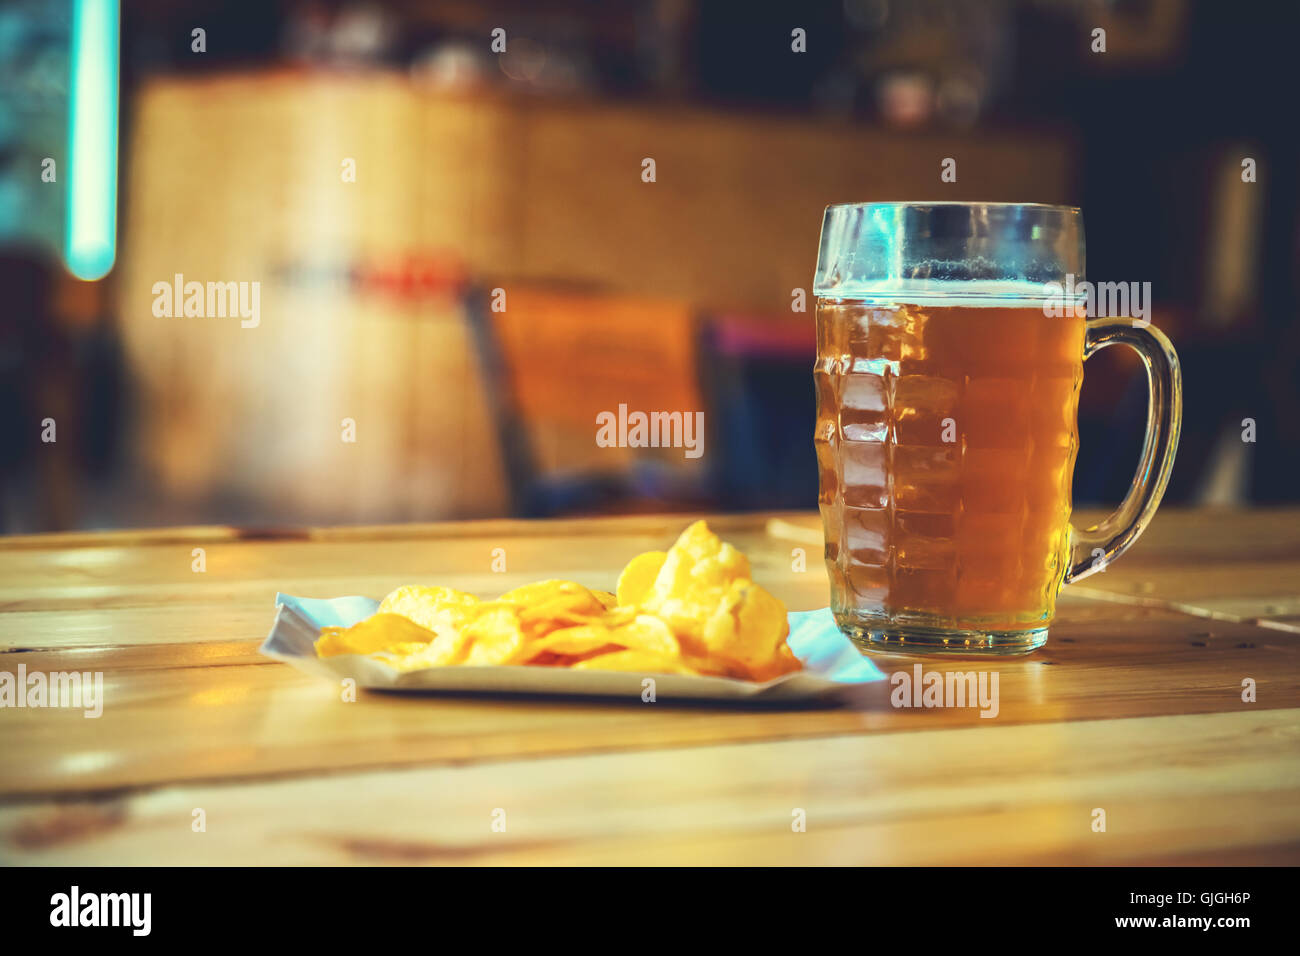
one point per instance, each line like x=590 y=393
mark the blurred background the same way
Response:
x=461 y=263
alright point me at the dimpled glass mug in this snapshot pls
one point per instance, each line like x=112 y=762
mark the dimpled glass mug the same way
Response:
x=948 y=373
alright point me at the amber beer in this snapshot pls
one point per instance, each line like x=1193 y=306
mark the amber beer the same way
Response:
x=947 y=392
x=946 y=441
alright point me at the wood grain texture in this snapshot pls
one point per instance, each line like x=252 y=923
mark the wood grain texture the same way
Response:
x=1134 y=706
x=1008 y=794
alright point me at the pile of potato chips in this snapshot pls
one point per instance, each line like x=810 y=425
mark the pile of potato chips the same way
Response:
x=690 y=610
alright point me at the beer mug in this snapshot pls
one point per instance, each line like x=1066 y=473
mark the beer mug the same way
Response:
x=950 y=346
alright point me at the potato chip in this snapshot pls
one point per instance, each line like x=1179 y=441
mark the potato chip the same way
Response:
x=541 y=592
x=639 y=577
x=748 y=629
x=696 y=573
x=376 y=633
x=561 y=612
x=647 y=633
x=547 y=605
x=640 y=661
x=437 y=609
x=782 y=662
x=765 y=624
x=692 y=609
x=422 y=595
x=699 y=559
x=615 y=617
x=493 y=637
x=569 y=642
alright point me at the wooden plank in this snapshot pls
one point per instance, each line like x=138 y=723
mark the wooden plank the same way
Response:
x=144 y=570
x=1134 y=705
x=1176 y=534
x=234 y=597
x=1233 y=565
x=212 y=710
x=158 y=631
x=1222 y=785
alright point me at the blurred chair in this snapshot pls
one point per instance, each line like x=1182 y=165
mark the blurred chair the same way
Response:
x=560 y=359
x=763 y=409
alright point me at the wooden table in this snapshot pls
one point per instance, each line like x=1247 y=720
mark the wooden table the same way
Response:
x=1135 y=707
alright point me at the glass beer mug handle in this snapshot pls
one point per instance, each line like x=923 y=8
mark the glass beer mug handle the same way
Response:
x=1092 y=549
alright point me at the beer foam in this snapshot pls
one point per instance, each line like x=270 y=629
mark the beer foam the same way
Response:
x=965 y=293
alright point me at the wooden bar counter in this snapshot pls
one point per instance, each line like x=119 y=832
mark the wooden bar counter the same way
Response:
x=208 y=753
